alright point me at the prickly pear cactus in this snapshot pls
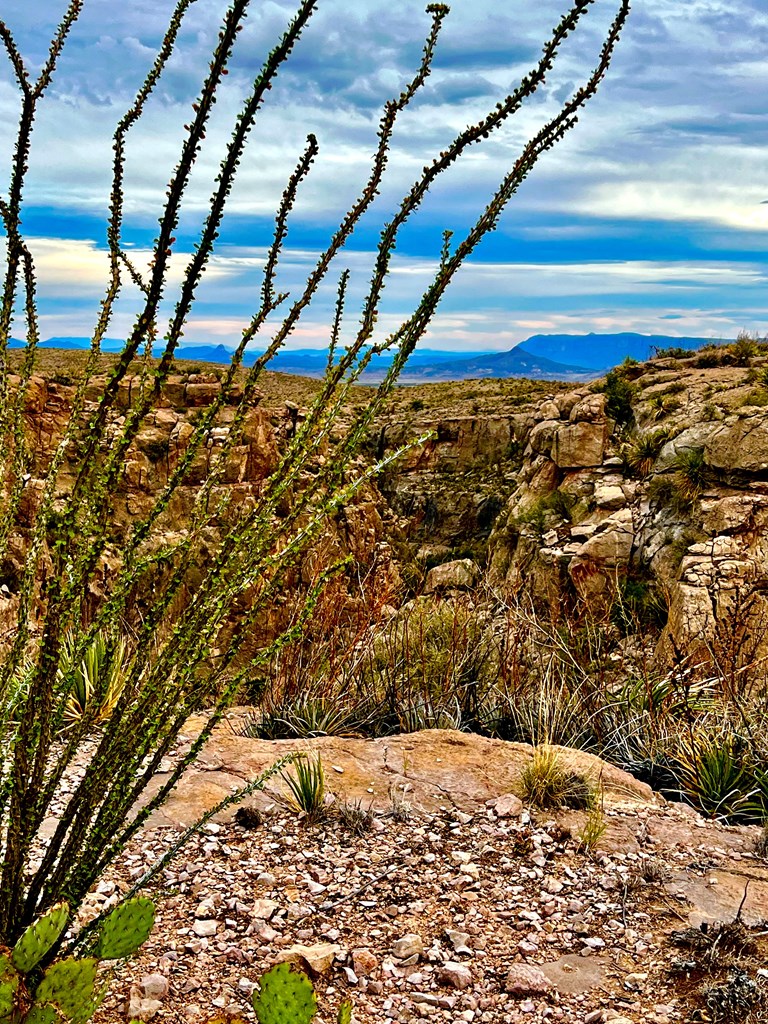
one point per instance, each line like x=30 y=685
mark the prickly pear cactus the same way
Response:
x=345 y=1013
x=70 y=987
x=38 y=939
x=126 y=928
x=9 y=986
x=286 y=997
x=43 y=1015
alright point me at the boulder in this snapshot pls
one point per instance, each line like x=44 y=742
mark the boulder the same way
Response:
x=461 y=574
x=542 y=436
x=589 y=409
x=579 y=444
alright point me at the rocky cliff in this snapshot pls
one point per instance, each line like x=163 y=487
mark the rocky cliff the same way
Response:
x=657 y=479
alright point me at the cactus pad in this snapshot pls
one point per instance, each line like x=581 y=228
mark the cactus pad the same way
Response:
x=126 y=928
x=286 y=997
x=39 y=938
x=9 y=985
x=70 y=985
x=43 y=1015
x=345 y=1013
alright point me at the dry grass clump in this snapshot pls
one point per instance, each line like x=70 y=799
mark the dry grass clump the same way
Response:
x=546 y=782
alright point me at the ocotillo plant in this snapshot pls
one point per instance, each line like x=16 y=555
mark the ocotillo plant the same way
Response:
x=185 y=656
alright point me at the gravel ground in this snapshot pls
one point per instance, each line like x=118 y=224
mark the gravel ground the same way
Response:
x=449 y=916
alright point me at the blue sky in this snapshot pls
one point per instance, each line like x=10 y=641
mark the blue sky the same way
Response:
x=651 y=216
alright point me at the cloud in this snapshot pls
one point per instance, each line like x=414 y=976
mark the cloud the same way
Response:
x=659 y=196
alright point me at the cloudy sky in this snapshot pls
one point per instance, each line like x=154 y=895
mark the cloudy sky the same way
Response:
x=651 y=216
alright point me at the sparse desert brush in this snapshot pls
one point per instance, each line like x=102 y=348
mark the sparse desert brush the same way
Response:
x=620 y=392
x=306 y=787
x=594 y=828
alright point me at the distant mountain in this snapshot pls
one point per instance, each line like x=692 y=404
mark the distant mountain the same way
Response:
x=541 y=357
x=518 y=362
x=605 y=350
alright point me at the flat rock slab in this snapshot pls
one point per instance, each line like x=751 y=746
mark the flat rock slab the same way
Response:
x=573 y=974
x=431 y=769
x=719 y=895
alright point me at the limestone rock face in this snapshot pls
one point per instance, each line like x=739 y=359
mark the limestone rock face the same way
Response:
x=580 y=443
x=740 y=444
x=703 y=537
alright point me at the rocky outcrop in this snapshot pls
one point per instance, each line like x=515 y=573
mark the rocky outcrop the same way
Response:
x=693 y=523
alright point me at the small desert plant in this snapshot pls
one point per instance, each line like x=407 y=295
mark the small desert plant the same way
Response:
x=594 y=828
x=639 y=605
x=664 y=492
x=547 y=782
x=354 y=817
x=662 y=405
x=716 y=776
x=95 y=680
x=286 y=996
x=306 y=785
x=671 y=352
x=560 y=503
x=640 y=451
x=305 y=716
x=400 y=808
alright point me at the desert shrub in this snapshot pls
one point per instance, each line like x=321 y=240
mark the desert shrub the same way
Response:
x=691 y=472
x=743 y=349
x=640 y=606
x=711 y=356
x=429 y=667
x=671 y=352
x=664 y=493
x=354 y=817
x=156 y=451
x=662 y=405
x=678 y=492
x=619 y=394
x=594 y=828
x=558 y=502
x=718 y=776
x=305 y=715
x=757 y=396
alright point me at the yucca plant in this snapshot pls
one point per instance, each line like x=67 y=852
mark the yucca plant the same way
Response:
x=194 y=597
x=96 y=681
x=640 y=451
x=691 y=473
x=716 y=775
x=306 y=786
